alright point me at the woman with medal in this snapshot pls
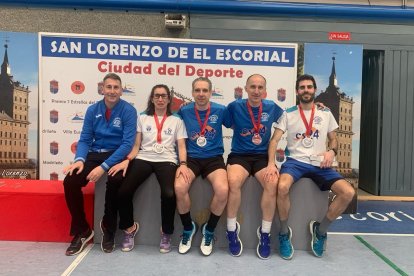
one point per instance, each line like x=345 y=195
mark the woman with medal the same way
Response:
x=307 y=129
x=203 y=120
x=252 y=122
x=159 y=135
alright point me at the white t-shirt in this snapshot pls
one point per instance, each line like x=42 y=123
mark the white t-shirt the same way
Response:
x=292 y=124
x=173 y=129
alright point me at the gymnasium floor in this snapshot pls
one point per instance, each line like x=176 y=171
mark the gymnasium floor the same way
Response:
x=347 y=254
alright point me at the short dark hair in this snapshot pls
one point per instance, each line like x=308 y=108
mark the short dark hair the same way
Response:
x=112 y=76
x=150 y=105
x=305 y=77
x=210 y=85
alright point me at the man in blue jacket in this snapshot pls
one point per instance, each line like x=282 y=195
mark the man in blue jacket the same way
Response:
x=107 y=137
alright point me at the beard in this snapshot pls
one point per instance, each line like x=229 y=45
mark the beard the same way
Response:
x=304 y=100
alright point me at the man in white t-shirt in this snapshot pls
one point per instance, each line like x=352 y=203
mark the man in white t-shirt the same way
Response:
x=307 y=128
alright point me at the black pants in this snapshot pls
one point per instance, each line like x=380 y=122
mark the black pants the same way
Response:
x=138 y=171
x=74 y=196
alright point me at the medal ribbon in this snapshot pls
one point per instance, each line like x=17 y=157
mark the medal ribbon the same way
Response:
x=204 y=124
x=307 y=125
x=159 y=126
x=256 y=125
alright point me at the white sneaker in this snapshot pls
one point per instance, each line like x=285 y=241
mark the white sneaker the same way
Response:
x=207 y=241
x=186 y=239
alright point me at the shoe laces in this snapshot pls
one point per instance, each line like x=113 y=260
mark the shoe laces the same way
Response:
x=186 y=236
x=208 y=237
x=165 y=238
x=264 y=238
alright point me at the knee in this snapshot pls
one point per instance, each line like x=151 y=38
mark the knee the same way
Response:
x=234 y=183
x=180 y=188
x=349 y=193
x=283 y=189
x=222 y=193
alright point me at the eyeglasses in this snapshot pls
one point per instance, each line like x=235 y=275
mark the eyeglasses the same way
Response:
x=309 y=86
x=162 y=96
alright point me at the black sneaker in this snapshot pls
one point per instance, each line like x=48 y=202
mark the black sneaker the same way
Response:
x=108 y=239
x=78 y=242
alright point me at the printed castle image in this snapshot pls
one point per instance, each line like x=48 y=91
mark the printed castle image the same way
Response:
x=341 y=108
x=14 y=122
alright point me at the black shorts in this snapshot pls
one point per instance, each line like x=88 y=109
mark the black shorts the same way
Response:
x=251 y=162
x=205 y=166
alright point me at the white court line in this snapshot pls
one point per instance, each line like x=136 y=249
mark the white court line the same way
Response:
x=77 y=261
x=371 y=234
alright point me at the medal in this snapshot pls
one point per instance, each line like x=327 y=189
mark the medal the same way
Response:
x=201 y=141
x=158 y=148
x=256 y=139
x=307 y=141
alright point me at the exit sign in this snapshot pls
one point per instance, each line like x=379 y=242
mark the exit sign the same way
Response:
x=339 y=36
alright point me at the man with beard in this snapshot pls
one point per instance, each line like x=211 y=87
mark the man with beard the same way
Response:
x=307 y=128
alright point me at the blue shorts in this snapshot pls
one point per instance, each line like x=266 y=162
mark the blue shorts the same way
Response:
x=324 y=178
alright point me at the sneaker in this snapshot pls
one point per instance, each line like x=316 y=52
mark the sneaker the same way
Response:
x=108 y=239
x=235 y=244
x=186 y=239
x=207 y=241
x=263 y=247
x=128 y=241
x=318 y=241
x=78 y=242
x=165 y=243
x=285 y=245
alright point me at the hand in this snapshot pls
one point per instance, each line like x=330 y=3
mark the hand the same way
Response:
x=78 y=165
x=123 y=166
x=183 y=171
x=271 y=173
x=95 y=174
x=328 y=158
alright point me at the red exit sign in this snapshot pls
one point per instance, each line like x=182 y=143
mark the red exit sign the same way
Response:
x=339 y=36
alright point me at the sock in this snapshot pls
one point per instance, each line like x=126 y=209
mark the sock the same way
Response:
x=231 y=224
x=186 y=221
x=212 y=222
x=284 y=227
x=323 y=227
x=266 y=226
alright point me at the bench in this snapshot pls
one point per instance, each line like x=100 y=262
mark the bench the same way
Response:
x=35 y=210
x=307 y=203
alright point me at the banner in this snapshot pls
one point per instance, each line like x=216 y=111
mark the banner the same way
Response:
x=72 y=68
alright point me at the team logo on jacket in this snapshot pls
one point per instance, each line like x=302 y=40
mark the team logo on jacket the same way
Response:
x=54 y=86
x=248 y=132
x=213 y=119
x=54 y=116
x=265 y=117
x=317 y=120
x=209 y=133
x=168 y=131
x=117 y=122
x=54 y=148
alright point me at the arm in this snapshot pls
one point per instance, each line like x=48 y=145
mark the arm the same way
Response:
x=123 y=166
x=271 y=170
x=129 y=120
x=86 y=137
x=182 y=156
x=329 y=155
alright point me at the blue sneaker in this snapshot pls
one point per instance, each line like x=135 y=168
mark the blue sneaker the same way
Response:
x=263 y=247
x=285 y=245
x=207 y=241
x=318 y=241
x=186 y=239
x=235 y=244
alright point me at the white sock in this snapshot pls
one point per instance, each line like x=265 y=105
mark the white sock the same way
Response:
x=266 y=226
x=231 y=224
